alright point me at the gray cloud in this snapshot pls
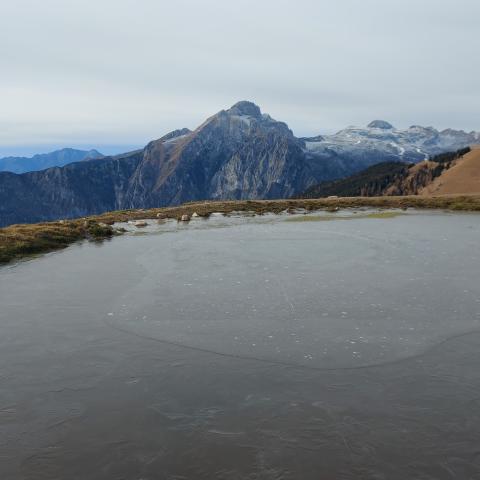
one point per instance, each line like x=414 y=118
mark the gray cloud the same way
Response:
x=123 y=72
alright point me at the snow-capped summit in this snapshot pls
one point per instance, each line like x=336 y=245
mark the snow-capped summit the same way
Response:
x=380 y=141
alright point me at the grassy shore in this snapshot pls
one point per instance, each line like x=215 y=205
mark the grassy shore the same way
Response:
x=17 y=241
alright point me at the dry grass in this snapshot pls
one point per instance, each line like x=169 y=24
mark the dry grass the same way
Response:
x=19 y=241
x=463 y=177
x=457 y=202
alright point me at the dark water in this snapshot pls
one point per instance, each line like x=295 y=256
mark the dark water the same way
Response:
x=247 y=349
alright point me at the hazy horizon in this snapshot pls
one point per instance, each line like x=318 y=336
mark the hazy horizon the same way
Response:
x=107 y=149
x=115 y=75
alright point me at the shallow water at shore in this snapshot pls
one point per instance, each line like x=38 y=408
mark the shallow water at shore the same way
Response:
x=250 y=348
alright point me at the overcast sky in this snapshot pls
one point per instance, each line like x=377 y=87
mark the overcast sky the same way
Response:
x=117 y=73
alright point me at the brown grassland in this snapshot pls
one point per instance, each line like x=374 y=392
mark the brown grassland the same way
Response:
x=462 y=178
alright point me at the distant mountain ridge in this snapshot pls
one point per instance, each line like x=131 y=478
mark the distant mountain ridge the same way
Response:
x=41 y=161
x=238 y=153
x=381 y=142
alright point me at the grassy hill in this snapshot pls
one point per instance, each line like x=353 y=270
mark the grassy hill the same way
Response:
x=395 y=178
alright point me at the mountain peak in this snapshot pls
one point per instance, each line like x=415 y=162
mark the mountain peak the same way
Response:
x=380 y=124
x=245 y=108
x=176 y=133
x=94 y=153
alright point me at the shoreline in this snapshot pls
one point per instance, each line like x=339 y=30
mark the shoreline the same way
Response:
x=25 y=240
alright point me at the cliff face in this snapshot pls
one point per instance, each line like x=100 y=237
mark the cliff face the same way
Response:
x=75 y=190
x=238 y=153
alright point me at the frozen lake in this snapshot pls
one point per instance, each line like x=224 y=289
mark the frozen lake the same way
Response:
x=323 y=346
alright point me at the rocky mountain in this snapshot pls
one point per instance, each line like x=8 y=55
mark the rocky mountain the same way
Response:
x=397 y=178
x=356 y=148
x=74 y=190
x=42 y=161
x=239 y=153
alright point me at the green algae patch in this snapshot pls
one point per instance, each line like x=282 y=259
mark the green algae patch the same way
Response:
x=382 y=215
x=329 y=218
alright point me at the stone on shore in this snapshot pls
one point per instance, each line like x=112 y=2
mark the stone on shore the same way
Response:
x=140 y=223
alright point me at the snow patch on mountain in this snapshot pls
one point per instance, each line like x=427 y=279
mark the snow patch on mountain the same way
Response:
x=380 y=141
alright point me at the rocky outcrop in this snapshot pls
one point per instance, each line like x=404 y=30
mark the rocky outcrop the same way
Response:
x=416 y=179
x=380 y=124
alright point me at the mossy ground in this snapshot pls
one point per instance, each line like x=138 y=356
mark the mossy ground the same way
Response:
x=18 y=241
